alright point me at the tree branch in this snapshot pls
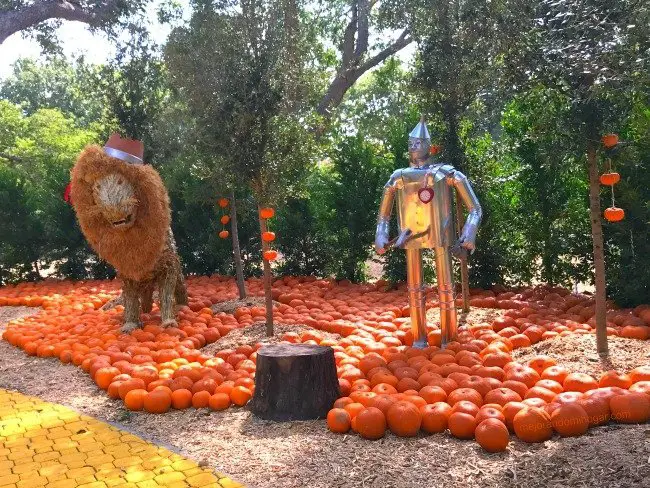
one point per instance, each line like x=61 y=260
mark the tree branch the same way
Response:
x=363 y=22
x=347 y=46
x=31 y=15
x=347 y=76
x=400 y=43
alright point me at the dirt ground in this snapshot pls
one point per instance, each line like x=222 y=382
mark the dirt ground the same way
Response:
x=305 y=454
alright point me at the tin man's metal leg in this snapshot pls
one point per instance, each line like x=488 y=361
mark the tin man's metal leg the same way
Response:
x=446 y=296
x=417 y=298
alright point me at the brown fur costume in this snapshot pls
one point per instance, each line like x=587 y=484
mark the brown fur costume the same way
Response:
x=143 y=253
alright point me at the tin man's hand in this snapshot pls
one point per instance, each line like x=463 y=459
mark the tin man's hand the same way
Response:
x=381 y=241
x=381 y=236
x=462 y=248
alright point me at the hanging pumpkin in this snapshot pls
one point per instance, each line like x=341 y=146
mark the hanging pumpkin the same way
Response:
x=267 y=213
x=614 y=214
x=225 y=219
x=609 y=140
x=270 y=255
x=610 y=178
x=223 y=202
x=224 y=234
x=268 y=236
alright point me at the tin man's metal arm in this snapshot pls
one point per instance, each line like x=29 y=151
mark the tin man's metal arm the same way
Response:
x=383 y=220
x=468 y=197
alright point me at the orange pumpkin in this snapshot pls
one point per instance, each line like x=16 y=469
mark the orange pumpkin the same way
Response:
x=614 y=214
x=610 y=178
x=630 y=408
x=338 y=420
x=268 y=236
x=462 y=425
x=532 y=425
x=609 y=140
x=435 y=417
x=158 y=401
x=270 y=255
x=371 y=423
x=224 y=234
x=225 y=219
x=492 y=435
x=267 y=213
x=404 y=419
x=223 y=202
x=570 y=420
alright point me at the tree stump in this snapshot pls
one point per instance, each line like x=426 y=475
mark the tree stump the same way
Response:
x=294 y=382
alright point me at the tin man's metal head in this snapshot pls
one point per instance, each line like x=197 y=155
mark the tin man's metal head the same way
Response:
x=419 y=144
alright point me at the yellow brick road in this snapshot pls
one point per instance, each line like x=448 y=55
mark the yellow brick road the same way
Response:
x=44 y=444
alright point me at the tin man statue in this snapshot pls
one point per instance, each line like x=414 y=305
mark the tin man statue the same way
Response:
x=426 y=221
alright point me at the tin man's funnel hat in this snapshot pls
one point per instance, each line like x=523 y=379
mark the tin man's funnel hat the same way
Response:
x=419 y=144
x=420 y=131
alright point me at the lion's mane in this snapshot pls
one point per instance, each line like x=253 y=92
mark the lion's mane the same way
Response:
x=133 y=252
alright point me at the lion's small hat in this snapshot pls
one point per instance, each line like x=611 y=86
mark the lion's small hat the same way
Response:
x=127 y=150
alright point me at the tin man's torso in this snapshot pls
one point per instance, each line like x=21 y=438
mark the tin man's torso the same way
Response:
x=434 y=219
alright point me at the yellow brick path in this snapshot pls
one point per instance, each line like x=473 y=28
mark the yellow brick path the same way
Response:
x=44 y=444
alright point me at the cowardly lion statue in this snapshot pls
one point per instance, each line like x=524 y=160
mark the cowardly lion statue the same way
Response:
x=123 y=209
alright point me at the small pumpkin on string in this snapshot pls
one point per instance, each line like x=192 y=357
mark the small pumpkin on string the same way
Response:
x=610 y=179
x=614 y=214
x=609 y=140
x=270 y=255
x=268 y=236
x=223 y=203
x=267 y=213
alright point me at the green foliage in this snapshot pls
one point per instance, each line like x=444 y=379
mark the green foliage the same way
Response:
x=136 y=89
x=242 y=75
x=39 y=226
x=551 y=218
x=512 y=89
x=73 y=88
x=358 y=172
x=627 y=243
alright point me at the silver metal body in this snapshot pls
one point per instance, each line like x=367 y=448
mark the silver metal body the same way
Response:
x=428 y=225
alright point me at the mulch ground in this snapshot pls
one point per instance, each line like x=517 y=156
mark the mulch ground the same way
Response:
x=305 y=454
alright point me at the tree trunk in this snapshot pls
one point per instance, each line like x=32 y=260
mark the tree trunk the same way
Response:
x=239 y=269
x=295 y=382
x=599 y=254
x=464 y=270
x=267 y=281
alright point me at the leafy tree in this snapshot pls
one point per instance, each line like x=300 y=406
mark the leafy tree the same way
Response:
x=459 y=62
x=359 y=169
x=136 y=89
x=550 y=218
x=627 y=243
x=243 y=74
x=72 y=87
x=348 y=24
x=39 y=226
x=592 y=51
